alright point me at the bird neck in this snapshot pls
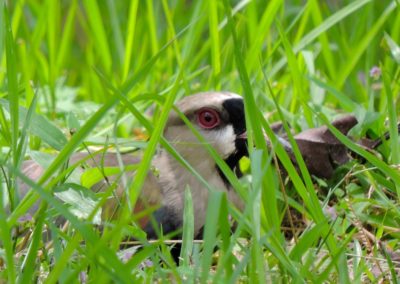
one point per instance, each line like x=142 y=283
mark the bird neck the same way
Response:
x=174 y=178
x=202 y=163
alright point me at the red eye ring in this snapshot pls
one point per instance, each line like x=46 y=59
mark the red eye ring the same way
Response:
x=208 y=118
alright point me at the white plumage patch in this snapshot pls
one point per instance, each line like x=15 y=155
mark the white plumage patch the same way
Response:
x=223 y=140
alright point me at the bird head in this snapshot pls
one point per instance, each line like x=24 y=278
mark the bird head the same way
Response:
x=218 y=117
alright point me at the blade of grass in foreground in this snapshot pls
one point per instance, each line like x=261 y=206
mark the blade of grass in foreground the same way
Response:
x=393 y=123
x=225 y=230
x=23 y=140
x=53 y=27
x=2 y=31
x=5 y=236
x=393 y=128
x=188 y=230
x=13 y=97
x=12 y=83
x=29 y=264
x=210 y=232
x=5 y=129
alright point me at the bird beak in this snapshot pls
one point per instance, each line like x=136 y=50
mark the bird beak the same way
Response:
x=242 y=136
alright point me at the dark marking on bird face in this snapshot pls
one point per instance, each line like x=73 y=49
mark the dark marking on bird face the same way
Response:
x=235 y=110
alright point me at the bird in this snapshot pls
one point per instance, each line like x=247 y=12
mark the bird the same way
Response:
x=220 y=119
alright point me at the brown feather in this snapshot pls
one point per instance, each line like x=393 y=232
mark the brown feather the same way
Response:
x=149 y=200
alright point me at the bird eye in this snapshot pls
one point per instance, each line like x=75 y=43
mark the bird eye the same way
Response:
x=208 y=118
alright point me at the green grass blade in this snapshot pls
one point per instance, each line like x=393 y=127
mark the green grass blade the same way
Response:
x=13 y=93
x=13 y=97
x=116 y=32
x=393 y=119
x=210 y=233
x=29 y=265
x=188 y=230
x=215 y=43
x=130 y=36
x=39 y=126
x=5 y=236
x=67 y=34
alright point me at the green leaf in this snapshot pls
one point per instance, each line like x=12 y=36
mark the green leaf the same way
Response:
x=82 y=201
x=41 y=127
x=43 y=159
x=73 y=122
x=94 y=175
